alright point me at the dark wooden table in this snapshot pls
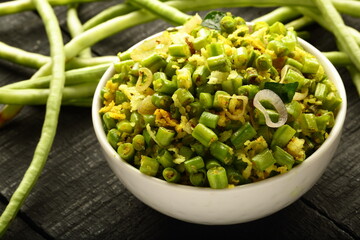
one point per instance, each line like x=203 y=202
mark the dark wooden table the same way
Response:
x=78 y=196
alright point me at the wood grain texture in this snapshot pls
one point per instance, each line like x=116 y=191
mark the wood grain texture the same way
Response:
x=20 y=229
x=78 y=196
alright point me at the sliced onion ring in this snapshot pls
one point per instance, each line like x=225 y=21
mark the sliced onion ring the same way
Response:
x=276 y=101
x=140 y=85
x=300 y=96
x=284 y=71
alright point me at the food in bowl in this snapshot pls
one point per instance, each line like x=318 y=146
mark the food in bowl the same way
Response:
x=218 y=105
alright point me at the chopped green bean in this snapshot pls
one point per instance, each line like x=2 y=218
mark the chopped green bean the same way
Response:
x=149 y=119
x=183 y=96
x=179 y=50
x=222 y=152
x=220 y=101
x=171 y=175
x=161 y=100
x=282 y=136
x=138 y=142
x=263 y=160
x=234 y=176
x=126 y=151
x=184 y=76
x=324 y=121
x=200 y=75
x=124 y=126
x=274 y=116
x=211 y=163
x=215 y=49
x=219 y=63
x=154 y=62
x=263 y=62
x=149 y=166
x=332 y=101
x=164 y=86
x=308 y=122
x=204 y=135
x=217 y=177
x=294 y=63
x=195 y=109
x=283 y=158
x=198 y=178
x=193 y=165
x=209 y=119
x=321 y=91
x=228 y=24
x=113 y=137
x=206 y=100
x=164 y=136
x=294 y=109
x=165 y=158
x=278 y=47
x=246 y=132
x=186 y=152
x=310 y=65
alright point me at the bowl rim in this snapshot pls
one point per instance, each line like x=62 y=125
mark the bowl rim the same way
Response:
x=333 y=135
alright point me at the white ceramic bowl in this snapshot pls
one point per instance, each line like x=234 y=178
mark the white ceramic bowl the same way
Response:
x=225 y=206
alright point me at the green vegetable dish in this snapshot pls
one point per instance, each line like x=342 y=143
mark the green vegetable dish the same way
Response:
x=218 y=103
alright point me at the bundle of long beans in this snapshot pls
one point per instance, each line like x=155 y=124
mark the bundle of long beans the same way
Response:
x=70 y=74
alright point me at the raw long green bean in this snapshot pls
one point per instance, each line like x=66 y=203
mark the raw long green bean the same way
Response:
x=75 y=28
x=281 y=14
x=316 y=16
x=87 y=62
x=72 y=77
x=39 y=96
x=104 y=30
x=90 y=37
x=51 y=116
x=354 y=72
x=11 y=7
x=300 y=23
x=340 y=30
x=15 y=109
x=115 y=25
x=21 y=57
x=109 y=13
x=355 y=75
x=162 y=10
x=339 y=59
x=344 y=6
x=36 y=60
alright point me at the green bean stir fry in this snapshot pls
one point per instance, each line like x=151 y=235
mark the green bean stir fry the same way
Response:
x=218 y=103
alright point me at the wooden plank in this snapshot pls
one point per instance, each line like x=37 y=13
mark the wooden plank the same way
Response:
x=337 y=194
x=297 y=221
x=78 y=197
x=15 y=33
x=20 y=230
